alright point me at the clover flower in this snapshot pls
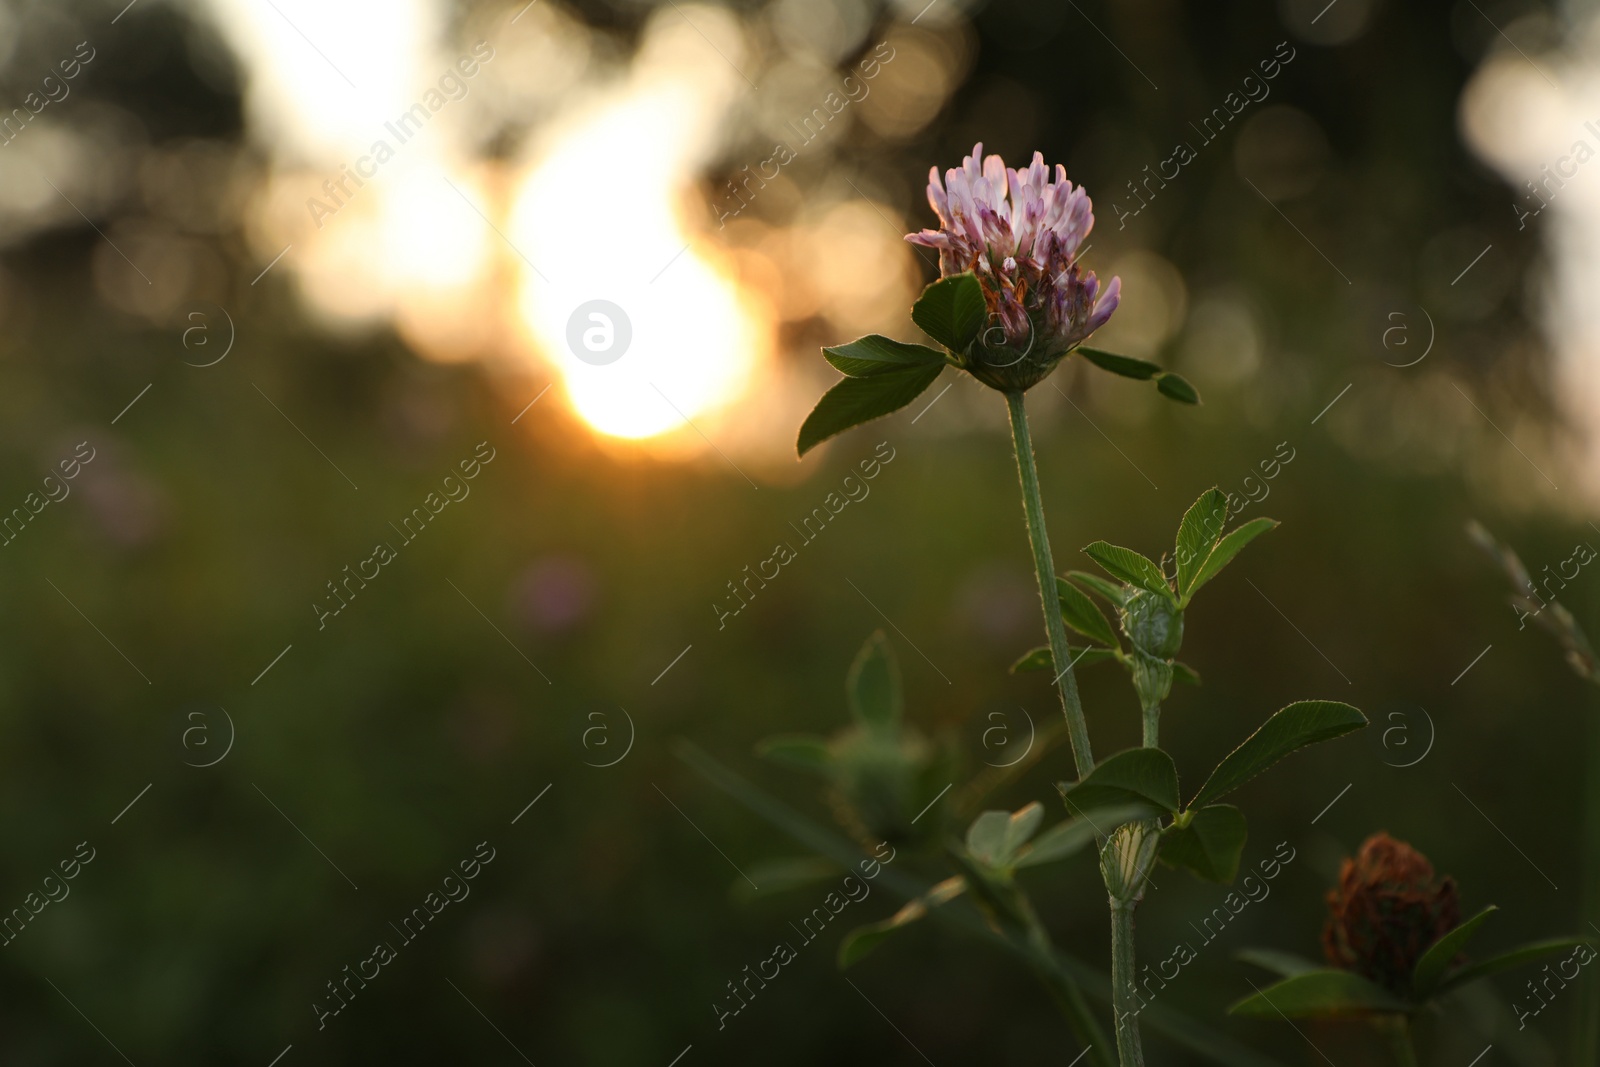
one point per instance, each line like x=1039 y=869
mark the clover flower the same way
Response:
x=1010 y=303
x=1020 y=233
x=1386 y=911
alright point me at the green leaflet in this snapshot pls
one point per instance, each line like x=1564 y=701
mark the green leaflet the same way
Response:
x=873 y=684
x=1066 y=839
x=951 y=311
x=1434 y=962
x=1039 y=659
x=1225 y=550
x=863 y=939
x=1209 y=845
x=874 y=354
x=1112 y=592
x=1296 y=726
x=1127 y=366
x=1168 y=384
x=1177 y=388
x=1319 y=995
x=1130 y=566
x=773 y=877
x=1135 y=776
x=1505 y=961
x=857 y=400
x=995 y=836
x=1080 y=613
x=1283 y=964
x=801 y=751
x=1198 y=534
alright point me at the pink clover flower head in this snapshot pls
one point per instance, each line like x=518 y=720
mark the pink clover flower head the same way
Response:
x=1020 y=233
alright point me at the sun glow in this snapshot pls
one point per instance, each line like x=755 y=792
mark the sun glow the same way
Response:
x=602 y=215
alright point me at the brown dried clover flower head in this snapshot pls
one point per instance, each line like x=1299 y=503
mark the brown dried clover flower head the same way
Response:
x=1386 y=911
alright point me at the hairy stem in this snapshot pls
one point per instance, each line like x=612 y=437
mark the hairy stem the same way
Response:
x=1125 y=1004
x=1152 y=724
x=1152 y=680
x=1069 y=997
x=1125 y=997
x=1044 y=566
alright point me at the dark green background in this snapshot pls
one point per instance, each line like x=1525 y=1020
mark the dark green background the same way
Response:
x=408 y=730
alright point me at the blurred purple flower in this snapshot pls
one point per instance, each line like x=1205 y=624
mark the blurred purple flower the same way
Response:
x=128 y=508
x=555 y=594
x=995 y=603
x=1020 y=233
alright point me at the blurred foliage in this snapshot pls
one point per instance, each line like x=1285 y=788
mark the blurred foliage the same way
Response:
x=407 y=730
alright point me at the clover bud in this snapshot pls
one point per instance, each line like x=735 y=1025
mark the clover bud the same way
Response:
x=1386 y=911
x=1153 y=624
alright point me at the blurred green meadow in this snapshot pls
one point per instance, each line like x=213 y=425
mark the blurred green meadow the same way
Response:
x=470 y=676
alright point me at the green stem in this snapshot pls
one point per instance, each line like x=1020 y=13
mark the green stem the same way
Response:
x=1055 y=629
x=1152 y=680
x=1398 y=1030
x=1152 y=724
x=1125 y=1003
x=1124 y=992
x=1068 y=997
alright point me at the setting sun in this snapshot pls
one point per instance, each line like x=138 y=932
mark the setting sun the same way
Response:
x=601 y=223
